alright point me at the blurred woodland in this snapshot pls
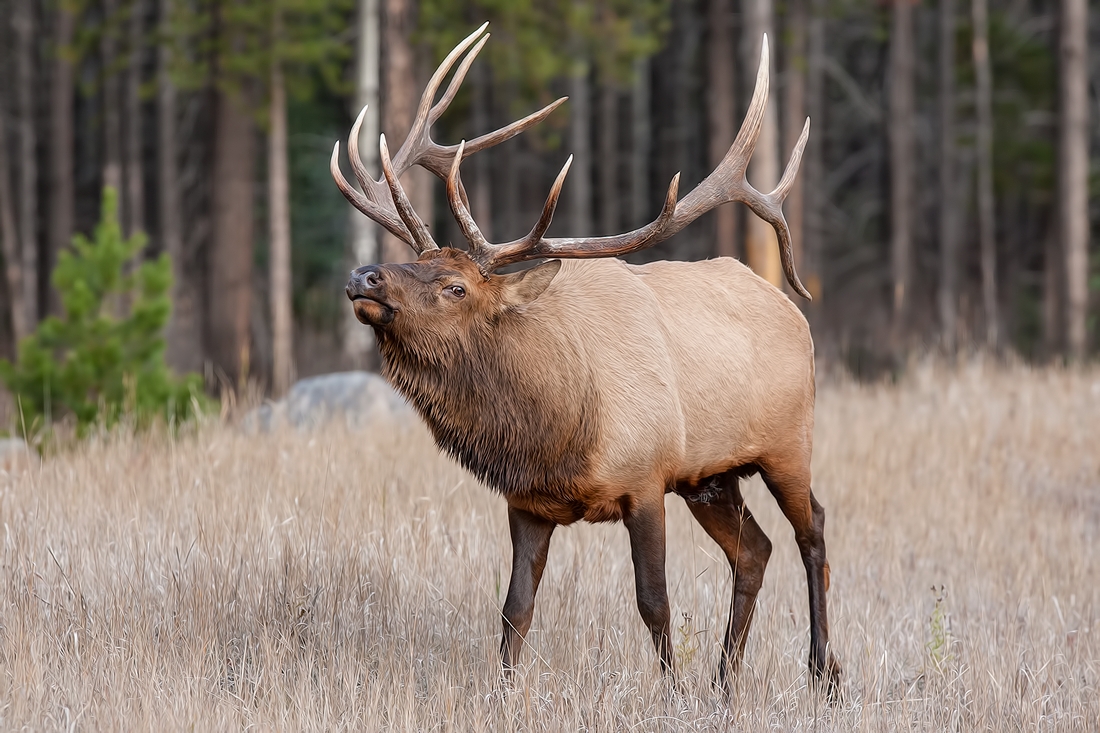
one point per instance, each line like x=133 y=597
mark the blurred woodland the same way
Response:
x=945 y=200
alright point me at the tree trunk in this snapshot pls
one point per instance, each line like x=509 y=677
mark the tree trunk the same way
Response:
x=814 y=229
x=1073 y=168
x=135 y=181
x=358 y=339
x=901 y=164
x=608 y=168
x=641 y=139
x=401 y=95
x=112 y=124
x=9 y=237
x=761 y=246
x=481 y=192
x=25 y=65
x=795 y=119
x=984 y=104
x=722 y=113
x=62 y=171
x=230 y=257
x=949 y=256
x=279 y=208
x=580 y=136
x=184 y=333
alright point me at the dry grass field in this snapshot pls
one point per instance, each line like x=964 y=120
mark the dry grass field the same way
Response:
x=340 y=580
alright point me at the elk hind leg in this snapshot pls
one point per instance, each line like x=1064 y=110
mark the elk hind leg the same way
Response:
x=720 y=510
x=791 y=488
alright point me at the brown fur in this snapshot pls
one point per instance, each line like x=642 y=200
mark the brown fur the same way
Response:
x=590 y=392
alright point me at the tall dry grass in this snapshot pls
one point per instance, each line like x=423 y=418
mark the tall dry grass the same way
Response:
x=343 y=580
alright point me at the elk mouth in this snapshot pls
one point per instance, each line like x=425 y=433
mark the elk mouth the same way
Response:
x=372 y=311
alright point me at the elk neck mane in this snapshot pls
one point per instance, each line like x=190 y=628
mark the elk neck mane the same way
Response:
x=511 y=401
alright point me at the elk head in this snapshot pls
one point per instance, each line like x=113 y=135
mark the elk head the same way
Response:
x=448 y=292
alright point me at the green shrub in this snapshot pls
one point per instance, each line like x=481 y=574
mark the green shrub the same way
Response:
x=104 y=359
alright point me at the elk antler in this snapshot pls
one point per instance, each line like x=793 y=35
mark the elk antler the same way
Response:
x=382 y=200
x=725 y=184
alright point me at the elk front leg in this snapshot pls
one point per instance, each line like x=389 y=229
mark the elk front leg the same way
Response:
x=530 y=543
x=646 y=525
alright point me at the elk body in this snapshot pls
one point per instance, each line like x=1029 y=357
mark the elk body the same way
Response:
x=588 y=389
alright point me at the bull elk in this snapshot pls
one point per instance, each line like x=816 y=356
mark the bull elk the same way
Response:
x=588 y=388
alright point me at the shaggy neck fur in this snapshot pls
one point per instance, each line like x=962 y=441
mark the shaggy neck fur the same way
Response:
x=501 y=403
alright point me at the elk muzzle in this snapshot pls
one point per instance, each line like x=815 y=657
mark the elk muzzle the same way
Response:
x=367 y=292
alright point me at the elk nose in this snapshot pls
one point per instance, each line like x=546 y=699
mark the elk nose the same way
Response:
x=362 y=280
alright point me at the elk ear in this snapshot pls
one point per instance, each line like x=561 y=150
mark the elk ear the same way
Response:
x=520 y=288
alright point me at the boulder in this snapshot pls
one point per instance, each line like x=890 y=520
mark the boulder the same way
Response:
x=359 y=398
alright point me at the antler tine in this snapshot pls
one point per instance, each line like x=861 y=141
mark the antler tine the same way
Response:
x=374 y=190
x=422 y=239
x=779 y=195
x=418 y=141
x=456 y=81
x=378 y=213
x=470 y=230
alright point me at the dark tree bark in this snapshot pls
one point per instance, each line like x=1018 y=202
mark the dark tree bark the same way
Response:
x=1073 y=168
x=184 y=333
x=481 y=192
x=722 y=113
x=9 y=238
x=62 y=170
x=984 y=105
x=814 y=200
x=135 y=177
x=23 y=23
x=901 y=164
x=580 y=136
x=608 y=168
x=948 y=296
x=641 y=134
x=112 y=100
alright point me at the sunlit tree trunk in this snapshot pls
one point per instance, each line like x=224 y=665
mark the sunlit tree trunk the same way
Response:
x=401 y=96
x=984 y=104
x=62 y=171
x=949 y=257
x=25 y=66
x=229 y=261
x=282 y=327
x=358 y=339
x=795 y=117
x=901 y=164
x=722 y=112
x=761 y=247
x=1073 y=168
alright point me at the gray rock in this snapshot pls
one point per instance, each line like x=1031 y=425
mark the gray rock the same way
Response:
x=14 y=454
x=359 y=398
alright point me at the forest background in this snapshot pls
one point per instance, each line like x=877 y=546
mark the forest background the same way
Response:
x=946 y=200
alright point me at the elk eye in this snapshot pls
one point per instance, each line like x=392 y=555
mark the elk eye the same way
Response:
x=457 y=290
